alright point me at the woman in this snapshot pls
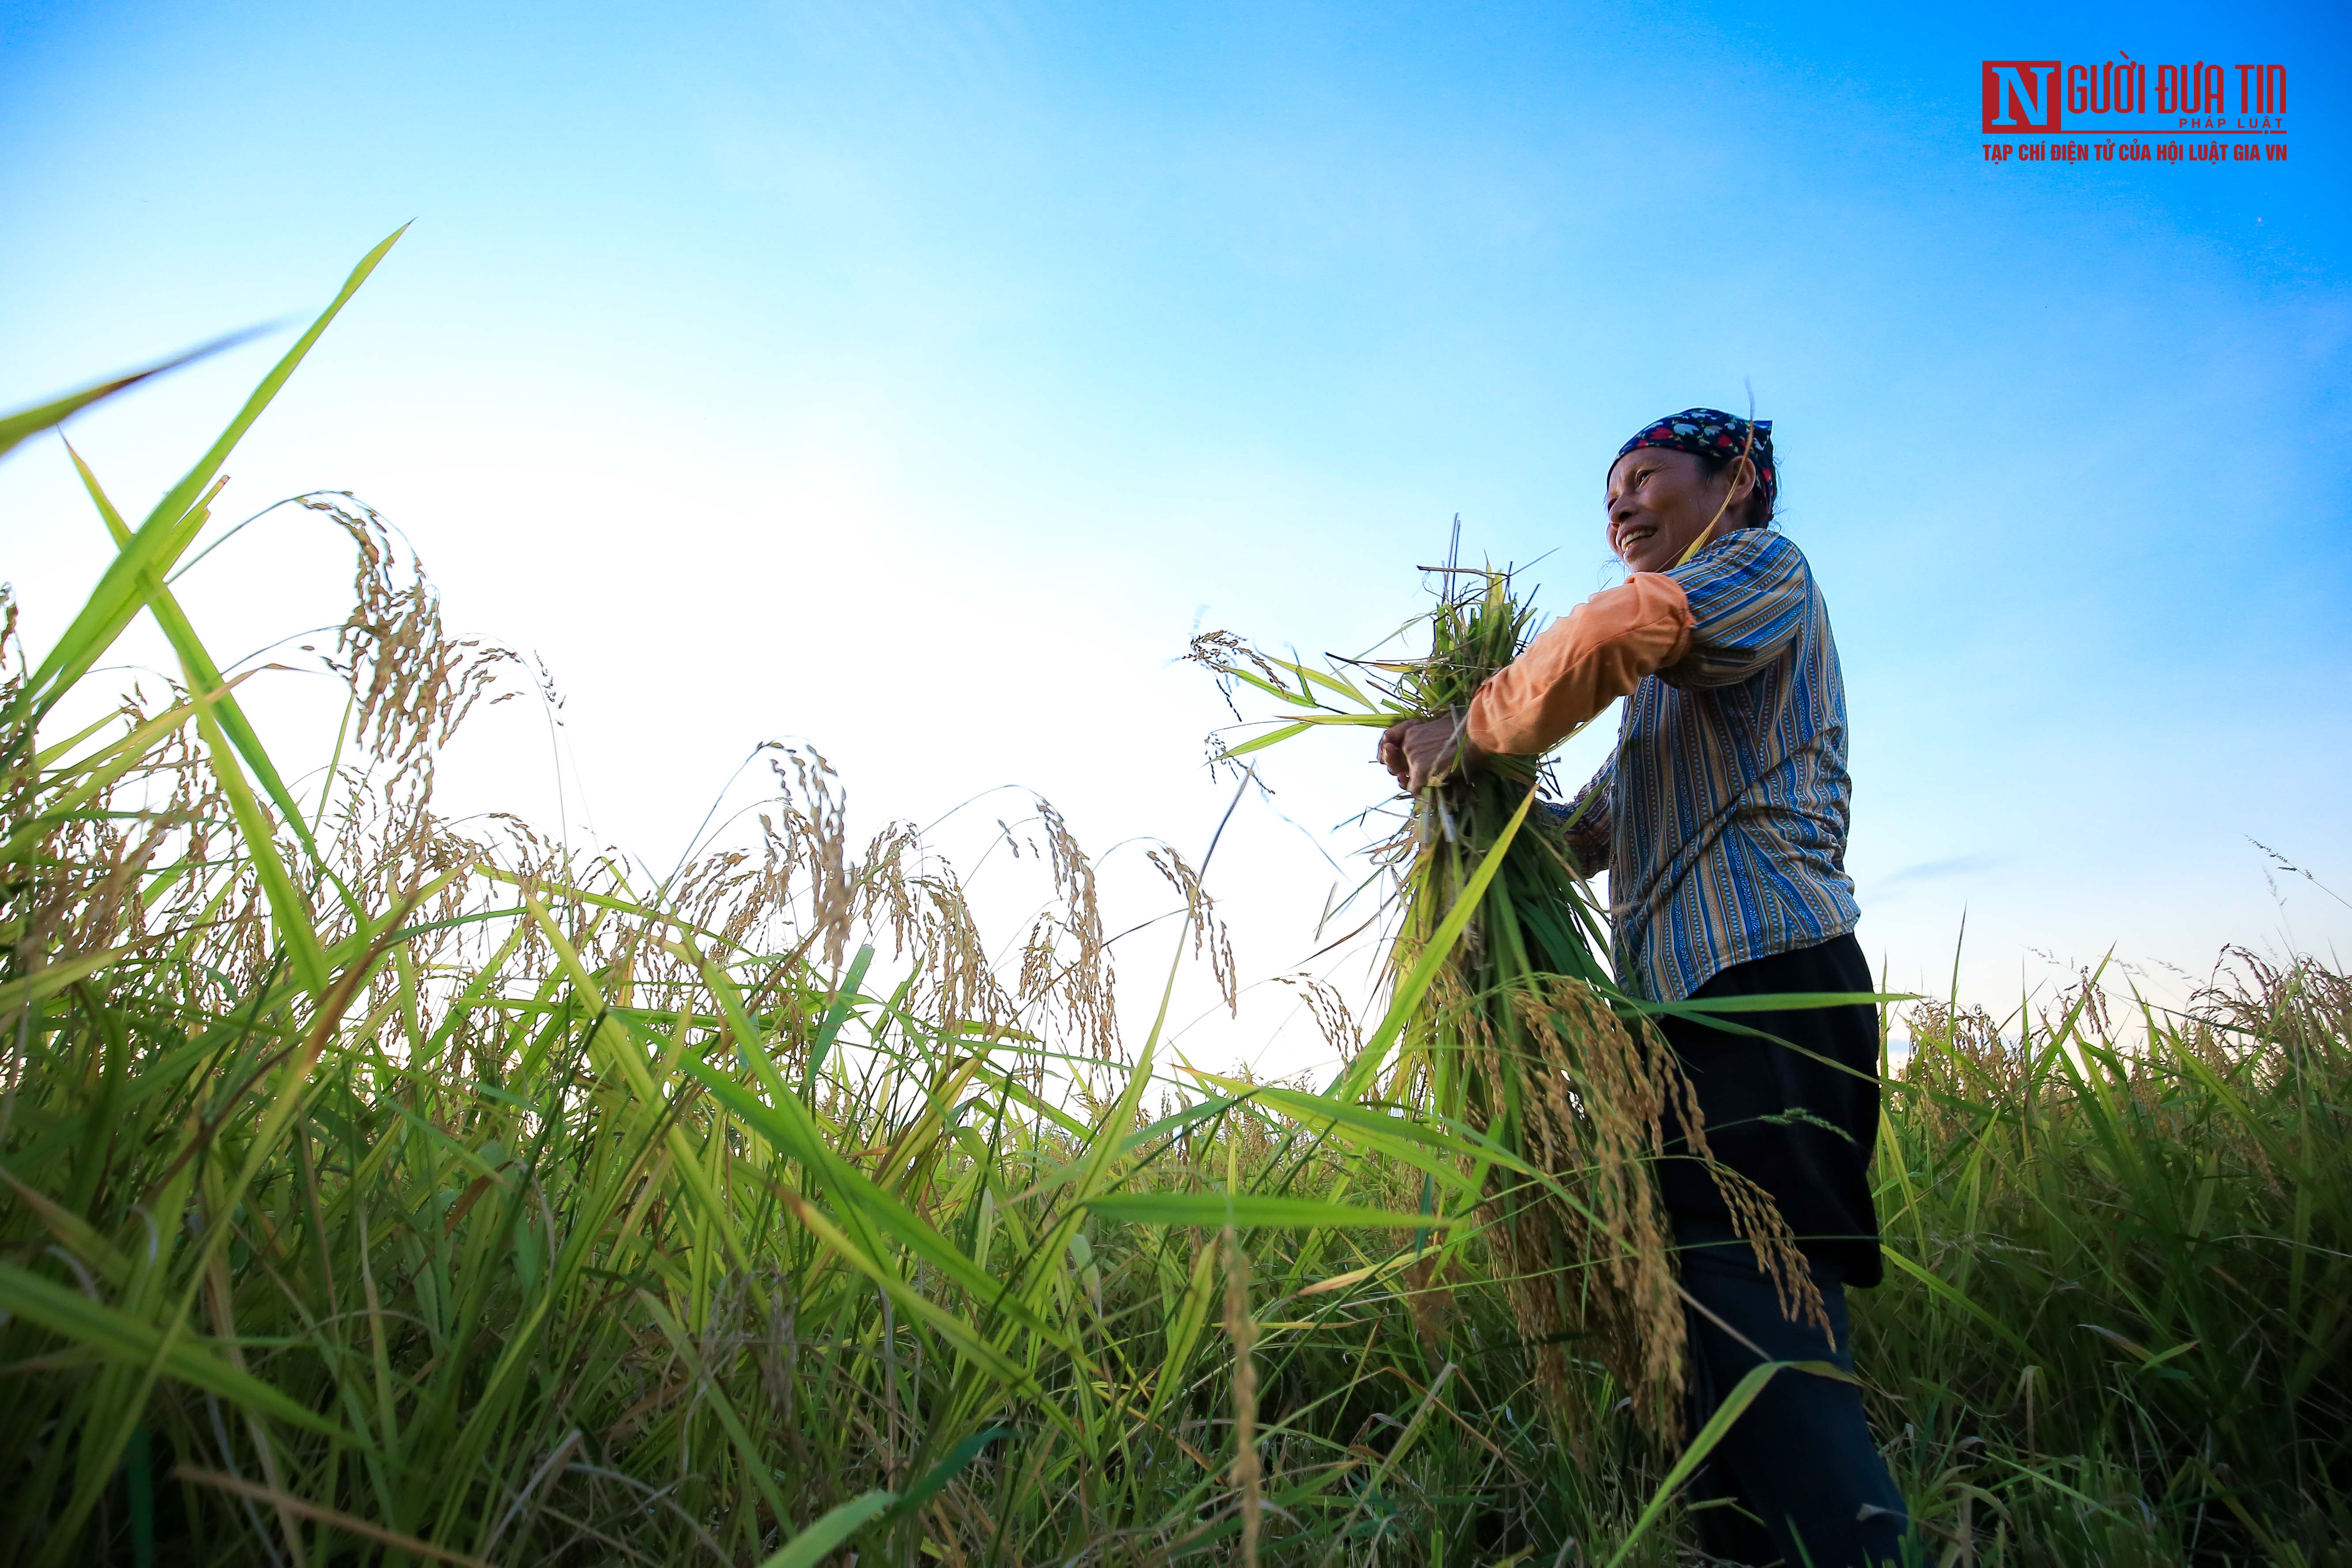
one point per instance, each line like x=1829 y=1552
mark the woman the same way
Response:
x=1721 y=820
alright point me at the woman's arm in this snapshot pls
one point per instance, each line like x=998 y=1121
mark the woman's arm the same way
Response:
x=1584 y=661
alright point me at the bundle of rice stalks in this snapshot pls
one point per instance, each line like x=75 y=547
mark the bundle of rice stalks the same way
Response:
x=1504 y=1020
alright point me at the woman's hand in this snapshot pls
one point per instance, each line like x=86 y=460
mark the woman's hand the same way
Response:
x=1418 y=752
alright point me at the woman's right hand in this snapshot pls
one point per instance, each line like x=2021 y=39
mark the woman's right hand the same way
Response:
x=1417 y=752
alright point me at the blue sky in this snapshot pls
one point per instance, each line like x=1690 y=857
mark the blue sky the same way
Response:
x=915 y=380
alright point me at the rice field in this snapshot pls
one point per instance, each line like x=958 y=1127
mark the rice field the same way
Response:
x=380 y=1191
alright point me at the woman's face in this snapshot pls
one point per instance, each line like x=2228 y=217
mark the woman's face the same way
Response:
x=1659 y=499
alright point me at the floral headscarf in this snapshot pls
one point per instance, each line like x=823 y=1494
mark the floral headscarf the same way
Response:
x=1712 y=433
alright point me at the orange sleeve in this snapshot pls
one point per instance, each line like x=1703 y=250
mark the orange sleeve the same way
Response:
x=1584 y=661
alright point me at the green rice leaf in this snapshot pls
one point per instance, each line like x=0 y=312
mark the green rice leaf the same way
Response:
x=1939 y=1286
x=1735 y=1405
x=1274 y=738
x=133 y=1343
x=1253 y=1210
x=27 y=422
x=203 y=676
x=811 y=1546
x=936 y=1477
x=88 y=637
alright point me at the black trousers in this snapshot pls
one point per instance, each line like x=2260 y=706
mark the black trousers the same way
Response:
x=1799 y=1118
x=1797 y=1479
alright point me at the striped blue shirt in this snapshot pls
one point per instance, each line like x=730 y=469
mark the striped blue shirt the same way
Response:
x=1722 y=818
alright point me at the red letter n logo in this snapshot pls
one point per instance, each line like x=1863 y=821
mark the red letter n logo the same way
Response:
x=2020 y=97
